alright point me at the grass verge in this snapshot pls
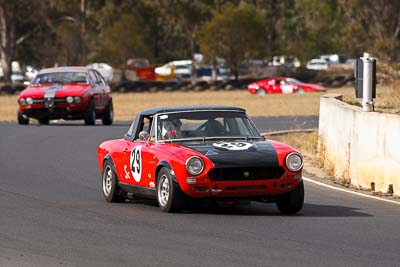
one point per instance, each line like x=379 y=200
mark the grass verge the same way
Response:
x=126 y=105
x=305 y=142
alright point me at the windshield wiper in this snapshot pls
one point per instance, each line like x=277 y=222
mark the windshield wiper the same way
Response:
x=182 y=140
x=233 y=137
x=205 y=138
x=57 y=82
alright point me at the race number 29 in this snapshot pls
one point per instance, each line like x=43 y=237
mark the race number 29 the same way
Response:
x=136 y=163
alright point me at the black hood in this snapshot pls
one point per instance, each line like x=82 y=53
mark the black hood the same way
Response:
x=238 y=154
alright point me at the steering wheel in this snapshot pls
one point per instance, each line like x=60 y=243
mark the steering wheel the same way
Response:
x=199 y=131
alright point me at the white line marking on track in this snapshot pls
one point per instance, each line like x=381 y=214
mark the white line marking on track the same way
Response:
x=349 y=191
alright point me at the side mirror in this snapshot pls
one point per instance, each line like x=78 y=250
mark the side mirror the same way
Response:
x=144 y=136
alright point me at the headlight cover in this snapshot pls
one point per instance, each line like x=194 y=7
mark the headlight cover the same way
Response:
x=294 y=161
x=22 y=101
x=194 y=165
x=29 y=100
x=77 y=99
x=70 y=99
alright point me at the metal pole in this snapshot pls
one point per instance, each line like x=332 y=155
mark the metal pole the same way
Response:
x=367 y=102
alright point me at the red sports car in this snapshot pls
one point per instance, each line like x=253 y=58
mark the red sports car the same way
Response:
x=281 y=85
x=181 y=154
x=69 y=93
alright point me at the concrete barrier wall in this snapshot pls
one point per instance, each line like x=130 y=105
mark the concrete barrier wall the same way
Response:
x=360 y=147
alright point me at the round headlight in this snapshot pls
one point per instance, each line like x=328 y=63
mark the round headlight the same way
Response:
x=77 y=99
x=194 y=165
x=70 y=99
x=22 y=101
x=294 y=161
x=29 y=100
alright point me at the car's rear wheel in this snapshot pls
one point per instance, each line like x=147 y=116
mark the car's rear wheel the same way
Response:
x=261 y=91
x=44 y=121
x=23 y=120
x=291 y=202
x=300 y=91
x=90 y=114
x=109 y=182
x=169 y=196
x=108 y=117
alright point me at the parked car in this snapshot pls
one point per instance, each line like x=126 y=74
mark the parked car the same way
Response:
x=334 y=58
x=18 y=74
x=30 y=72
x=282 y=85
x=104 y=69
x=139 y=69
x=70 y=93
x=177 y=155
x=288 y=61
x=318 y=64
x=181 y=68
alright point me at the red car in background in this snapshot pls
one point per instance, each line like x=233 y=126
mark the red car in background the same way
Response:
x=69 y=93
x=282 y=85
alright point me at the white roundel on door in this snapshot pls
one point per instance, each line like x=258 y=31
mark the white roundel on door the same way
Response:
x=136 y=163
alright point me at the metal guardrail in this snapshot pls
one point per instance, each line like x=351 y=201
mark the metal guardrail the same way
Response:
x=289 y=131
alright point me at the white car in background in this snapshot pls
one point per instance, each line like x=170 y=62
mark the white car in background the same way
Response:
x=318 y=64
x=182 y=69
x=104 y=69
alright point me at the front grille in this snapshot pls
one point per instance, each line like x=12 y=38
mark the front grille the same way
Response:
x=245 y=174
x=56 y=100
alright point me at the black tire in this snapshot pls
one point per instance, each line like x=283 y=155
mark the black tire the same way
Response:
x=90 y=114
x=22 y=119
x=291 y=202
x=109 y=184
x=169 y=196
x=44 y=121
x=261 y=91
x=108 y=117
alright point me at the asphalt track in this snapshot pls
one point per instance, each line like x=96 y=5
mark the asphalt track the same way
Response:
x=52 y=214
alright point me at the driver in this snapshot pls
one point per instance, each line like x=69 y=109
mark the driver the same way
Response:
x=172 y=129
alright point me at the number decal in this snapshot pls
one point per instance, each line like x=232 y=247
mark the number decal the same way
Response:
x=136 y=163
x=233 y=145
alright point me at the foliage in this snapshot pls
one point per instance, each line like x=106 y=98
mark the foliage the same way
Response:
x=76 y=31
x=235 y=33
x=122 y=40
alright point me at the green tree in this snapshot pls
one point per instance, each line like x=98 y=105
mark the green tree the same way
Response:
x=122 y=40
x=313 y=27
x=373 y=26
x=235 y=34
x=190 y=16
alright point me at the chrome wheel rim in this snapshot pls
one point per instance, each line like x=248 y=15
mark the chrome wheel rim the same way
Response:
x=163 y=190
x=107 y=181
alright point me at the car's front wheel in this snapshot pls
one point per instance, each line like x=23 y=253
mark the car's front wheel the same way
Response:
x=109 y=182
x=261 y=91
x=90 y=114
x=22 y=119
x=169 y=196
x=291 y=202
x=108 y=117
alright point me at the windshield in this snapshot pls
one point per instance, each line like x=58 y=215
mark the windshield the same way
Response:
x=60 y=77
x=203 y=125
x=293 y=80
